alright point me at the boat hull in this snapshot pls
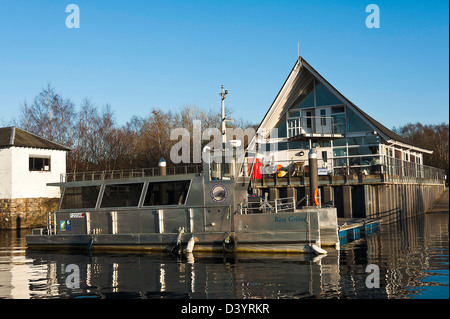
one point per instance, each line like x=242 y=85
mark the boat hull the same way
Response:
x=290 y=232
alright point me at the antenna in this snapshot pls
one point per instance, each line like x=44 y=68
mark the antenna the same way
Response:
x=224 y=119
x=223 y=126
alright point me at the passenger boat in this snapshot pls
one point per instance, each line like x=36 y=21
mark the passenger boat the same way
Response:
x=181 y=209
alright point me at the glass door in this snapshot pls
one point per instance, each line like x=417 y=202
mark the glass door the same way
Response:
x=323 y=121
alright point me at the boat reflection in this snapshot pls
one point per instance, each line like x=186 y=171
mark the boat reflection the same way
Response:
x=198 y=275
x=412 y=257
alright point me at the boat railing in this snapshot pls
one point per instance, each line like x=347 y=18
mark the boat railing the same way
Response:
x=129 y=173
x=261 y=204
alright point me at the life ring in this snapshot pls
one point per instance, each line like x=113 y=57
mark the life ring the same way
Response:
x=316 y=197
x=229 y=244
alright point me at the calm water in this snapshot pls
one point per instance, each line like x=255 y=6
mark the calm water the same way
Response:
x=412 y=258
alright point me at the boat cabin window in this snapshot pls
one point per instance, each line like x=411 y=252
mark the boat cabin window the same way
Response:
x=80 y=197
x=167 y=193
x=122 y=195
x=222 y=171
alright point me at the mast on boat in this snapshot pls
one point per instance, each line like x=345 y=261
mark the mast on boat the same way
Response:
x=223 y=117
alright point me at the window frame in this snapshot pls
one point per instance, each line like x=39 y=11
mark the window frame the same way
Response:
x=32 y=166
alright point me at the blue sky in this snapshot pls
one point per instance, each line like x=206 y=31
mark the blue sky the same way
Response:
x=135 y=55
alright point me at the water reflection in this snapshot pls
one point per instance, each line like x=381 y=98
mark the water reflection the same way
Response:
x=165 y=276
x=412 y=257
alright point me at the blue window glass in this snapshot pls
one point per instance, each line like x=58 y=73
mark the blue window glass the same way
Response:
x=325 y=97
x=339 y=142
x=282 y=146
x=355 y=141
x=374 y=139
x=339 y=162
x=281 y=126
x=338 y=123
x=355 y=123
x=295 y=145
x=308 y=100
x=341 y=151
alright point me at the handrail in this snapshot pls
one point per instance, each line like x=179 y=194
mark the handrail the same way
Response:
x=386 y=168
x=129 y=173
x=298 y=125
x=268 y=206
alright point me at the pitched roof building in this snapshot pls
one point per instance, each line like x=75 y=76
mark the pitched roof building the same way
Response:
x=309 y=112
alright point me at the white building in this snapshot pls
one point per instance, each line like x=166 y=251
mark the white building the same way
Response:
x=27 y=163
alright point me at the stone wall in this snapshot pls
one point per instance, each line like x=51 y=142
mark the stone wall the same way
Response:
x=25 y=212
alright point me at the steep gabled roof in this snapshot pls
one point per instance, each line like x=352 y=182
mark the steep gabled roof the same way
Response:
x=13 y=136
x=286 y=97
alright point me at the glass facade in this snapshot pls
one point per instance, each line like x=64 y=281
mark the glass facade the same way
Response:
x=325 y=97
x=355 y=123
x=317 y=114
x=360 y=153
x=307 y=97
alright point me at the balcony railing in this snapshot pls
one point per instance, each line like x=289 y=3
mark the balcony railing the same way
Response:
x=380 y=169
x=314 y=125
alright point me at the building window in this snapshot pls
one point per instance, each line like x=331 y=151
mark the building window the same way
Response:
x=338 y=109
x=324 y=156
x=323 y=119
x=340 y=151
x=39 y=163
x=325 y=97
x=355 y=123
x=338 y=123
x=308 y=119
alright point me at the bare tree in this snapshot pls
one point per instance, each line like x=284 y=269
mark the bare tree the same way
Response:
x=433 y=137
x=98 y=143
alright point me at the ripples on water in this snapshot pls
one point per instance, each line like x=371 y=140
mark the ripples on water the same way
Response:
x=412 y=257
